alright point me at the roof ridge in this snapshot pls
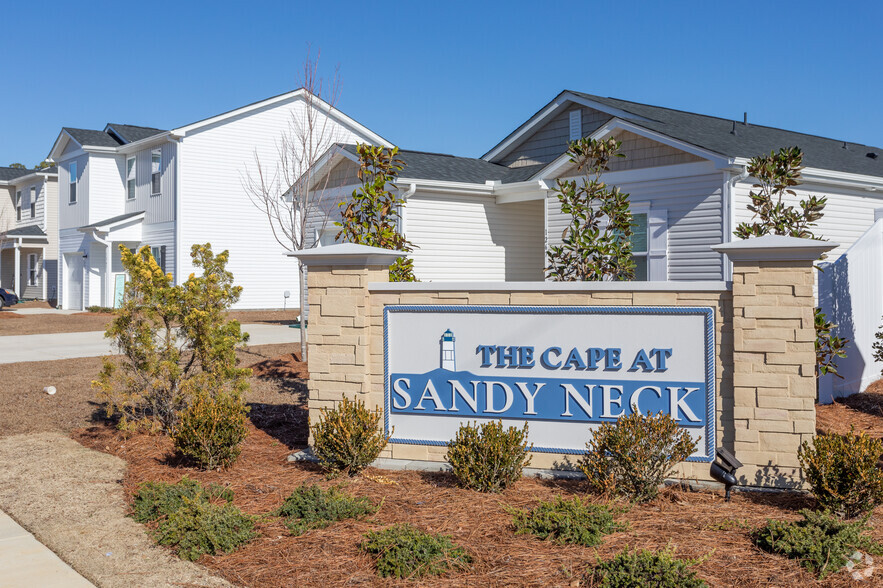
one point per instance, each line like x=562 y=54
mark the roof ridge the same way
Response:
x=717 y=118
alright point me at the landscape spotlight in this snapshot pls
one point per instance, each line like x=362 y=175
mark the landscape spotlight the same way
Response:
x=724 y=470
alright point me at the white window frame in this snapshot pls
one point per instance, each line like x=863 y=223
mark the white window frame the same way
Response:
x=33 y=202
x=645 y=254
x=131 y=175
x=657 y=240
x=72 y=183
x=156 y=176
x=32 y=269
x=18 y=205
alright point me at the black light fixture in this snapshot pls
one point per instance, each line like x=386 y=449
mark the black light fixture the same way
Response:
x=724 y=470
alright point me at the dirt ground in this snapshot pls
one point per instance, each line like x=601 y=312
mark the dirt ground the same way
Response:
x=862 y=411
x=33 y=324
x=25 y=408
x=70 y=498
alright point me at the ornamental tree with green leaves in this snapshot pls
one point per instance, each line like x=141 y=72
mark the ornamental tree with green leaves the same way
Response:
x=596 y=245
x=776 y=174
x=878 y=347
x=174 y=341
x=371 y=216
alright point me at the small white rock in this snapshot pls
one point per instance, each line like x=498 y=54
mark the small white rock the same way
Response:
x=49 y=390
x=856 y=556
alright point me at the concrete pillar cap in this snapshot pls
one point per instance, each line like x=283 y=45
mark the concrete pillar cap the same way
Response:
x=349 y=254
x=775 y=248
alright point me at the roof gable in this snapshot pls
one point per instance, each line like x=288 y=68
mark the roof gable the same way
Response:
x=724 y=137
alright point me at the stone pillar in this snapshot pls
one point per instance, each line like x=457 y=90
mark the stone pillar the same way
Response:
x=339 y=322
x=773 y=354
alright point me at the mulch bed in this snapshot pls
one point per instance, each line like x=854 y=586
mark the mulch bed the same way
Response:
x=697 y=524
x=863 y=411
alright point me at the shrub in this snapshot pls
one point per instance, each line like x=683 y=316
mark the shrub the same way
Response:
x=404 y=551
x=566 y=521
x=310 y=507
x=348 y=437
x=633 y=456
x=821 y=541
x=842 y=472
x=200 y=527
x=172 y=340
x=211 y=429
x=487 y=457
x=659 y=569
x=155 y=500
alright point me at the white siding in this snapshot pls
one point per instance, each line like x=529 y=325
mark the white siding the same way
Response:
x=50 y=199
x=847 y=215
x=71 y=216
x=159 y=208
x=471 y=238
x=693 y=204
x=215 y=208
x=159 y=235
x=106 y=193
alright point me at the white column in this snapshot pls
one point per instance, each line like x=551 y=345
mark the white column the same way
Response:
x=18 y=291
x=43 y=268
x=108 y=296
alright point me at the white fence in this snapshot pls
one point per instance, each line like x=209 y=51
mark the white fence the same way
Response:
x=851 y=294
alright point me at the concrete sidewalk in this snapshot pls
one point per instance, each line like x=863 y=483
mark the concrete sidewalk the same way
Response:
x=49 y=347
x=25 y=562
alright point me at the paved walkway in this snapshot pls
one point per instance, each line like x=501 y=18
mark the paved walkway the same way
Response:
x=49 y=347
x=25 y=562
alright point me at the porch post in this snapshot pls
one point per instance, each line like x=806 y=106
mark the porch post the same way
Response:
x=17 y=276
x=108 y=302
x=43 y=269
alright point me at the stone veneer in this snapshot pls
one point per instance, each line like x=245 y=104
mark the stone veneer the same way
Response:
x=764 y=341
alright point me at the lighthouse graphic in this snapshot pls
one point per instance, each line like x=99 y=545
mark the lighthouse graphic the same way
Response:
x=448 y=359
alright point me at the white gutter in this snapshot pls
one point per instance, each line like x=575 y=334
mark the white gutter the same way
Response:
x=729 y=212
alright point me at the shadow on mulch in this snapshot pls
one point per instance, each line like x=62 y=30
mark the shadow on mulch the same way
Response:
x=287 y=423
x=859 y=413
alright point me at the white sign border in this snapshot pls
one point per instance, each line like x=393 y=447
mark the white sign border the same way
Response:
x=704 y=311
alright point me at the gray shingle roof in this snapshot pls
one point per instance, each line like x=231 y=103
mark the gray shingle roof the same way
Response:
x=93 y=138
x=132 y=133
x=28 y=231
x=113 y=219
x=440 y=166
x=715 y=134
x=10 y=173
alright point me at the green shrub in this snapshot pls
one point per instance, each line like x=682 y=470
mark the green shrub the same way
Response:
x=404 y=551
x=487 y=457
x=348 y=437
x=656 y=569
x=842 y=472
x=102 y=309
x=155 y=500
x=821 y=541
x=211 y=429
x=633 y=456
x=566 y=521
x=310 y=507
x=200 y=527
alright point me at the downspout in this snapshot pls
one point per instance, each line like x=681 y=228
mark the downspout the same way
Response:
x=178 y=167
x=729 y=217
x=412 y=188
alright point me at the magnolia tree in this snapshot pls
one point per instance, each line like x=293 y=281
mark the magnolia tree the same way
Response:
x=289 y=189
x=596 y=245
x=175 y=343
x=776 y=174
x=371 y=216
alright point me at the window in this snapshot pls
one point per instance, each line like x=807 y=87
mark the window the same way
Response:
x=33 y=201
x=639 y=245
x=155 y=171
x=72 y=199
x=18 y=205
x=159 y=255
x=130 y=178
x=32 y=269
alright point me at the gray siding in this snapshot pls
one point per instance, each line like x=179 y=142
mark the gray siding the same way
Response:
x=159 y=208
x=641 y=152
x=694 y=221
x=549 y=141
x=71 y=216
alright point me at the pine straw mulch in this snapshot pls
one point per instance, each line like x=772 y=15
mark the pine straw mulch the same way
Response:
x=863 y=411
x=697 y=523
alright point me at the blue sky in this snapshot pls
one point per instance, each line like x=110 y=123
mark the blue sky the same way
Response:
x=451 y=76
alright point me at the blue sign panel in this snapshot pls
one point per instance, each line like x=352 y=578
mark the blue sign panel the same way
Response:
x=562 y=370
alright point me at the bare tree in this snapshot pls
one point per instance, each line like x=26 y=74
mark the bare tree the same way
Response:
x=291 y=190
